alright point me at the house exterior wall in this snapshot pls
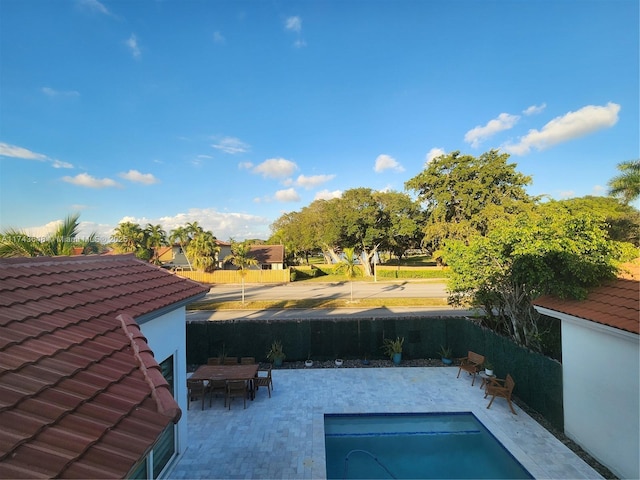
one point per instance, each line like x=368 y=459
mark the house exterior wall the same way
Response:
x=166 y=335
x=601 y=390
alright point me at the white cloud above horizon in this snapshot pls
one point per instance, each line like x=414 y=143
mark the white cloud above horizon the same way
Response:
x=309 y=182
x=132 y=43
x=434 y=153
x=14 y=151
x=230 y=145
x=327 y=195
x=94 y=6
x=86 y=180
x=219 y=38
x=275 y=168
x=534 y=109
x=138 y=177
x=387 y=162
x=567 y=127
x=51 y=92
x=479 y=134
x=293 y=24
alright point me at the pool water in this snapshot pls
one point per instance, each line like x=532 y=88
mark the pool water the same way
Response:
x=412 y=446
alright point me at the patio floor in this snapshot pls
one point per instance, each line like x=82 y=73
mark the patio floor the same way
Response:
x=282 y=437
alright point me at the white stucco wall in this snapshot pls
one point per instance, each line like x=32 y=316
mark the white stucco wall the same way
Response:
x=601 y=372
x=166 y=335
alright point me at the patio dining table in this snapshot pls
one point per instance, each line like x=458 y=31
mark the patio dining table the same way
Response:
x=227 y=372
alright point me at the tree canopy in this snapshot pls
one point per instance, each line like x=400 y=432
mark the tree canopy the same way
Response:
x=626 y=185
x=463 y=195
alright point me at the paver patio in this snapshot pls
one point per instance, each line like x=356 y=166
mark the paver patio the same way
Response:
x=282 y=437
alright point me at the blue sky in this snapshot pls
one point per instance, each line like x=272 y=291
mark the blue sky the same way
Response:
x=231 y=113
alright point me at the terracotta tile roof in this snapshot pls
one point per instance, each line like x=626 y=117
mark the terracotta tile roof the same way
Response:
x=81 y=394
x=616 y=304
x=268 y=253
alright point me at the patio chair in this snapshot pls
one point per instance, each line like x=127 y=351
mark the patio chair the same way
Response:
x=213 y=361
x=263 y=379
x=197 y=390
x=500 y=388
x=237 y=389
x=247 y=360
x=230 y=361
x=218 y=388
x=471 y=364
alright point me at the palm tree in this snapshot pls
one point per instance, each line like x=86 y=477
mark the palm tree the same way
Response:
x=240 y=257
x=626 y=185
x=17 y=243
x=155 y=237
x=180 y=235
x=203 y=249
x=129 y=237
x=349 y=267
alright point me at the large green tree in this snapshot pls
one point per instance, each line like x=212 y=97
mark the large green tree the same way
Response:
x=626 y=186
x=533 y=254
x=464 y=195
x=203 y=249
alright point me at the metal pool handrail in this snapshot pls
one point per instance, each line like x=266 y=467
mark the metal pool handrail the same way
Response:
x=346 y=462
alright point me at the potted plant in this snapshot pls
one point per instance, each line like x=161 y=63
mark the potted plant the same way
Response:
x=445 y=355
x=338 y=362
x=276 y=353
x=488 y=367
x=393 y=349
x=308 y=362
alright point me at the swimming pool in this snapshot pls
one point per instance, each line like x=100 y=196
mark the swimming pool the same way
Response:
x=415 y=445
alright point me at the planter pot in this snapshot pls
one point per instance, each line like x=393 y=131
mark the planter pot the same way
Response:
x=277 y=362
x=447 y=361
x=488 y=372
x=397 y=358
x=308 y=363
x=338 y=362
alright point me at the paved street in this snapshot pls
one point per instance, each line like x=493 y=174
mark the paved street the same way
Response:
x=294 y=291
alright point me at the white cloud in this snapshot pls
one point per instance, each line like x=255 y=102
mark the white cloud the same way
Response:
x=60 y=164
x=86 y=180
x=599 y=190
x=293 y=24
x=245 y=165
x=14 y=151
x=219 y=38
x=288 y=195
x=313 y=180
x=94 y=6
x=327 y=195
x=567 y=127
x=231 y=145
x=50 y=92
x=132 y=43
x=434 y=153
x=534 y=109
x=224 y=225
x=387 y=162
x=566 y=194
x=276 y=168
x=137 y=177
x=477 y=135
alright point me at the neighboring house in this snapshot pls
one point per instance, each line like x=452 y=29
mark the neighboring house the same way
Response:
x=173 y=256
x=269 y=257
x=92 y=367
x=600 y=365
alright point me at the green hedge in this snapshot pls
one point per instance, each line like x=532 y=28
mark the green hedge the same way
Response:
x=538 y=378
x=412 y=273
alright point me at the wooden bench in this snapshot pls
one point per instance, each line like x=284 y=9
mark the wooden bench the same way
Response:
x=471 y=364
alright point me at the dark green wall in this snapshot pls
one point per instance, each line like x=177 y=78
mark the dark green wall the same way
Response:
x=538 y=378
